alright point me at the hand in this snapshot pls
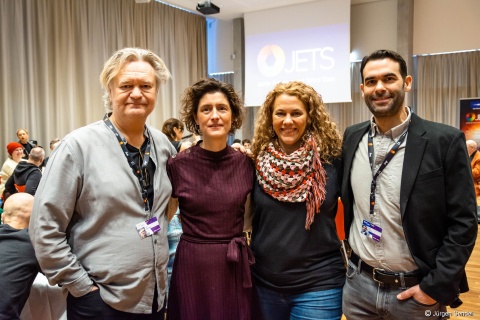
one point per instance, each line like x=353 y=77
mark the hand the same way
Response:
x=93 y=288
x=239 y=147
x=417 y=294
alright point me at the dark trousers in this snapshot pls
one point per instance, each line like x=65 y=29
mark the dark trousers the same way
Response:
x=91 y=306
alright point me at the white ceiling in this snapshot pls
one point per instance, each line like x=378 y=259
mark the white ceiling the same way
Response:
x=231 y=9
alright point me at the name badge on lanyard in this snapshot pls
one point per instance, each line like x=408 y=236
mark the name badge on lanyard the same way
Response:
x=148 y=227
x=369 y=229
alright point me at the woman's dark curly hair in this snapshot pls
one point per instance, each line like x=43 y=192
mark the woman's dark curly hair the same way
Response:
x=191 y=98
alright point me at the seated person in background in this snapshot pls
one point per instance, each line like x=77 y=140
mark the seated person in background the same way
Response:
x=22 y=135
x=27 y=174
x=247 y=144
x=15 y=154
x=18 y=265
x=173 y=129
x=53 y=144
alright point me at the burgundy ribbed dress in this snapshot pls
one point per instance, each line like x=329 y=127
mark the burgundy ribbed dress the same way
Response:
x=211 y=274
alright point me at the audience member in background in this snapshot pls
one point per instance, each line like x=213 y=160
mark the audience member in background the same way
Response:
x=195 y=138
x=18 y=265
x=105 y=182
x=408 y=181
x=27 y=174
x=299 y=270
x=53 y=144
x=247 y=144
x=15 y=154
x=211 y=273
x=28 y=145
x=173 y=129
x=474 y=155
x=237 y=141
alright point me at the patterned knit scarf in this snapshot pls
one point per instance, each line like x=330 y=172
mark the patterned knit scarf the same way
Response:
x=294 y=177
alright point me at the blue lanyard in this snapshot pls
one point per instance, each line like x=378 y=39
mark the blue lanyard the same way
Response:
x=137 y=171
x=385 y=162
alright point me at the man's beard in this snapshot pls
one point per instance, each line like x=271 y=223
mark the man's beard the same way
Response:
x=385 y=111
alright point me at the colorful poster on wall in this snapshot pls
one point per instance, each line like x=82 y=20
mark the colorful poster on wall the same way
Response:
x=470 y=118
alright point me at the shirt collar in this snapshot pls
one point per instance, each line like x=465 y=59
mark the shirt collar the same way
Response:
x=395 y=132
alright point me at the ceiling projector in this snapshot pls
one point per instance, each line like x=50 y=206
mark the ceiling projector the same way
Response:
x=206 y=7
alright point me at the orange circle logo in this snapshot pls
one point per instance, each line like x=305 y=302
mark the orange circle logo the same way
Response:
x=271 y=60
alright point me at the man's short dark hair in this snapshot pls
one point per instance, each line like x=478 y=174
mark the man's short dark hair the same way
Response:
x=385 y=54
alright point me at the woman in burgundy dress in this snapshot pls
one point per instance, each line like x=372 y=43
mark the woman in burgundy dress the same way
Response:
x=211 y=273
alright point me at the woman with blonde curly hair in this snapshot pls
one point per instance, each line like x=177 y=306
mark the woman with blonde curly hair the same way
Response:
x=299 y=270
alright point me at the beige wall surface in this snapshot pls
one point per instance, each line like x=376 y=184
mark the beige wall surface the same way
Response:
x=373 y=26
x=446 y=25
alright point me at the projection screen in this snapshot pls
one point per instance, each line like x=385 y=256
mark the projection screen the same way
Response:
x=309 y=42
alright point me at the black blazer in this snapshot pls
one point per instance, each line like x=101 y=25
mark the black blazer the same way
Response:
x=437 y=203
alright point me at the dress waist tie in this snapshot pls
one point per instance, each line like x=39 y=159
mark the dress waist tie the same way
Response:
x=238 y=246
x=237 y=249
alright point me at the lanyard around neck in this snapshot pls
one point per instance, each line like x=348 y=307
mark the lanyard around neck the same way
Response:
x=137 y=171
x=385 y=162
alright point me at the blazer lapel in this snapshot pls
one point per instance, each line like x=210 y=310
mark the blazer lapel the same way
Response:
x=414 y=152
x=351 y=147
x=351 y=141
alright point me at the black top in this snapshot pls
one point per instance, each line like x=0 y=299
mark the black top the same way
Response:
x=27 y=147
x=176 y=144
x=18 y=269
x=25 y=174
x=137 y=156
x=289 y=258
